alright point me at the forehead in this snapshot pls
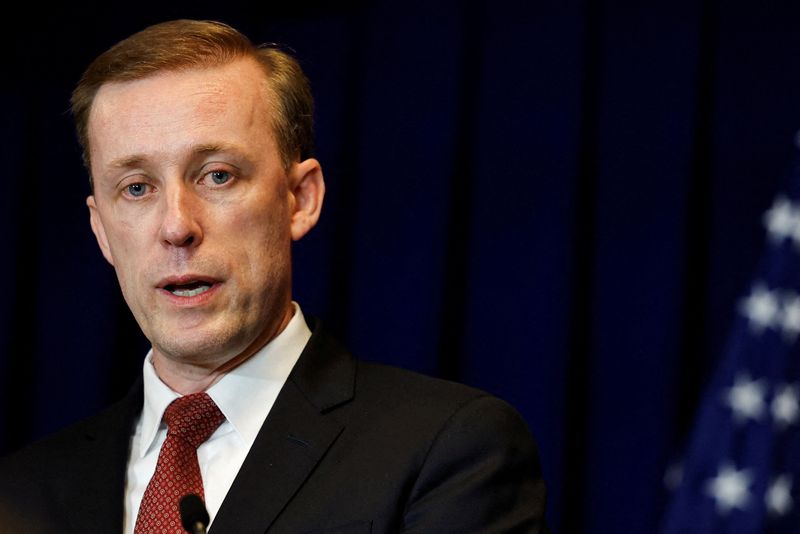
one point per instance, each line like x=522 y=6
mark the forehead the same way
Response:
x=168 y=108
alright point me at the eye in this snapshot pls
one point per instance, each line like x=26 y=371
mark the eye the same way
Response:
x=136 y=190
x=220 y=177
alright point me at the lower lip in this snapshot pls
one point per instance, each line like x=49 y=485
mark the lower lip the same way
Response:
x=195 y=300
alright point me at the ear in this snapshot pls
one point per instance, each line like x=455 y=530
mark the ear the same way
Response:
x=307 y=189
x=98 y=229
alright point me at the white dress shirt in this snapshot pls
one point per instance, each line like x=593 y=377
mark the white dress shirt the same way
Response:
x=245 y=396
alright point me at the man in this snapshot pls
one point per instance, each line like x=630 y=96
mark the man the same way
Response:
x=199 y=151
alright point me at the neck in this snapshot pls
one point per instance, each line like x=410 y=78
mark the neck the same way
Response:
x=184 y=378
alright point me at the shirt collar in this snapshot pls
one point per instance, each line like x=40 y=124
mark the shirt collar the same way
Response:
x=245 y=394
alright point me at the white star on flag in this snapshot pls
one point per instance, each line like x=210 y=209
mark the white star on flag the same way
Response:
x=785 y=406
x=746 y=398
x=730 y=488
x=779 y=495
x=782 y=220
x=761 y=308
x=790 y=317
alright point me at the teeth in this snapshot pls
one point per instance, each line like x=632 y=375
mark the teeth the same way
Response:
x=191 y=292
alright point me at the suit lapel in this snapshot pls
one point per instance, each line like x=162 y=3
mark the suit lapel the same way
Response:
x=294 y=438
x=99 y=486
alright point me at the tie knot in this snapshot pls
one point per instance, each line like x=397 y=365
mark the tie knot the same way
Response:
x=193 y=418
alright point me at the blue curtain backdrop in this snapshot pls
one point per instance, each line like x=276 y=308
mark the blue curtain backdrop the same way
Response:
x=558 y=202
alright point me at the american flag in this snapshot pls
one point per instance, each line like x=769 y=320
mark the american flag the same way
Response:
x=741 y=470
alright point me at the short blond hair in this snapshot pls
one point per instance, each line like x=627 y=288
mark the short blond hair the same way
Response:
x=185 y=44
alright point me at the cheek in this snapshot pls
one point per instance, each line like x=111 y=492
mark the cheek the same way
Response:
x=127 y=253
x=127 y=245
x=132 y=292
x=129 y=276
x=262 y=227
x=128 y=228
x=262 y=254
x=261 y=251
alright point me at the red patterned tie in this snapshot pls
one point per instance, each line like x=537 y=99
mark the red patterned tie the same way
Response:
x=190 y=421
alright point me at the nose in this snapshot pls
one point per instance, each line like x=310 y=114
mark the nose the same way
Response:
x=180 y=226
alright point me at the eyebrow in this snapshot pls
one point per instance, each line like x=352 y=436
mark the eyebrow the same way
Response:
x=126 y=162
x=136 y=160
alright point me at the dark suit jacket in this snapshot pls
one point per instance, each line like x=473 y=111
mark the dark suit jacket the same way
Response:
x=348 y=447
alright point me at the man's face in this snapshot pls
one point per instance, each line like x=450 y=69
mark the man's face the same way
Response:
x=195 y=211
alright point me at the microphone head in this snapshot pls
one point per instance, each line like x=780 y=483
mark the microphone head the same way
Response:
x=193 y=511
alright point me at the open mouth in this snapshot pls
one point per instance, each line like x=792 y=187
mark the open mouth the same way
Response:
x=189 y=289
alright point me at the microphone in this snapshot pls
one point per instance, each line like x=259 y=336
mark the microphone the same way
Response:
x=194 y=516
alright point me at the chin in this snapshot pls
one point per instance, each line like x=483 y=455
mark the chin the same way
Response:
x=200 y=349
x=214 y=342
